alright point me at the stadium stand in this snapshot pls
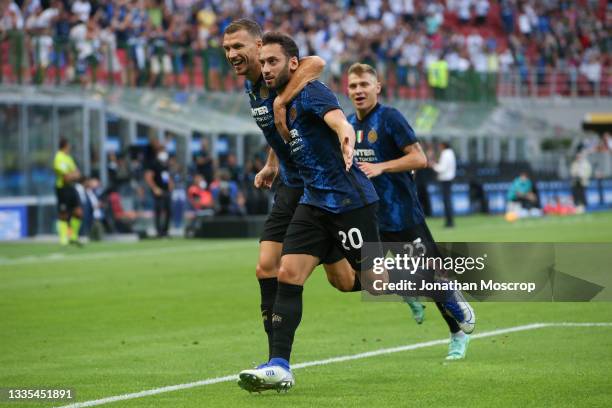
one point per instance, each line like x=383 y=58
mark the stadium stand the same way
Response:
x=504 y=48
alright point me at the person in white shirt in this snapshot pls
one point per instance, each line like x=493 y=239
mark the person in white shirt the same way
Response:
x=591 y=69
x=464 y=11
x=81 y=9
x=446 y=168
x=580 y=171
x=482 y=9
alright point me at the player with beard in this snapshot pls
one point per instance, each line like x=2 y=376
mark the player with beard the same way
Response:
x=337 y=209
x=242 y=42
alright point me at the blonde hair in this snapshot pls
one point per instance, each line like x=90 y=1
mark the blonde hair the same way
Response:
x=360 y=69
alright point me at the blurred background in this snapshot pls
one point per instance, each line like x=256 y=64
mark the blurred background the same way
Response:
x=514 y=87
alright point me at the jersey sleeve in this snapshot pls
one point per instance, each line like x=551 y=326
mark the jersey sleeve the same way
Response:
x=397 y=126
x=61 y=165
x=319 y=99
x=56 y=165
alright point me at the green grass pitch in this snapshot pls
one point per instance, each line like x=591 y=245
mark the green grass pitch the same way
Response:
x=112 y=319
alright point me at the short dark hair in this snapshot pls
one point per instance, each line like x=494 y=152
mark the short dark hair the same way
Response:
x=63 y=142
x=246 y=24
x=289 y=47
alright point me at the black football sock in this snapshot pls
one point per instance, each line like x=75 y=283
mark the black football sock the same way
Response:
x=268 y=288
x=452 y=324
x=286 y=319
x=356 y=285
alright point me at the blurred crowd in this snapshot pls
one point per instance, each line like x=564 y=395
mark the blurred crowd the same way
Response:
x=207 y=187
x=130 y=200
x=404 y=36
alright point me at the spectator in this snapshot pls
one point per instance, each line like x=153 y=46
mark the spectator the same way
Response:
x=179 y=40
x=198 y=195
x=437 y=76
x=81 y=9
x=12 y=19
x=204 y=162
x=135 y=24
x=521 y=191
x=178 y=195
x=61 y=25
x=580 y=171
x=482 y=10
x=435 y=17
x=506 y=11
x=446 y=168
x=120 y=220
x=94 y=213
x=234 y=170
x=463 y=11
x=228 y=198
x=159 y=57
x=118 y=170
x=11 y=26
x=591 y=69
x=161 y=184
x=524 y=23
x=257 y=199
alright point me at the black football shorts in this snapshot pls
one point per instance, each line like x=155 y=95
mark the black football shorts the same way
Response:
x=67 y=199
x=419 y=235
x=314 y=231
x=286 y=200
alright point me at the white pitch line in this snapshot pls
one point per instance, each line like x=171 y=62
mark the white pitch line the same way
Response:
x=332 y=360
x=62 y=257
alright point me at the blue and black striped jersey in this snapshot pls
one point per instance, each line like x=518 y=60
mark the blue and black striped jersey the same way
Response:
x=262 y=100
x=381 y=136
x=315 y=148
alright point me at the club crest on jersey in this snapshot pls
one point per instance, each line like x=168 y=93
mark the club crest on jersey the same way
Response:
x=292 y=113
x=372 y=136
x=264 y=92
x=359 y=136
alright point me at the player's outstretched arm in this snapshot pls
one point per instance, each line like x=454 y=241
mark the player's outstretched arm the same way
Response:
x=336 y=120
x=310 y=68
x=413 y=159
x=268 y=173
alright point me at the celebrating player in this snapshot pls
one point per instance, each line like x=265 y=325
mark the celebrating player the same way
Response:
x=69 y=208
x=338 y=207
x=387 y=151
x=242 y=42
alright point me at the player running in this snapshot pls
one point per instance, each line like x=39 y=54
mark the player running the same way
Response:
x=338 y=207
x=387 y=151
x=69 y=208
x=242 y=42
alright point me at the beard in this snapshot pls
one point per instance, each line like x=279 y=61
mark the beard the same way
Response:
x=282 y=78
